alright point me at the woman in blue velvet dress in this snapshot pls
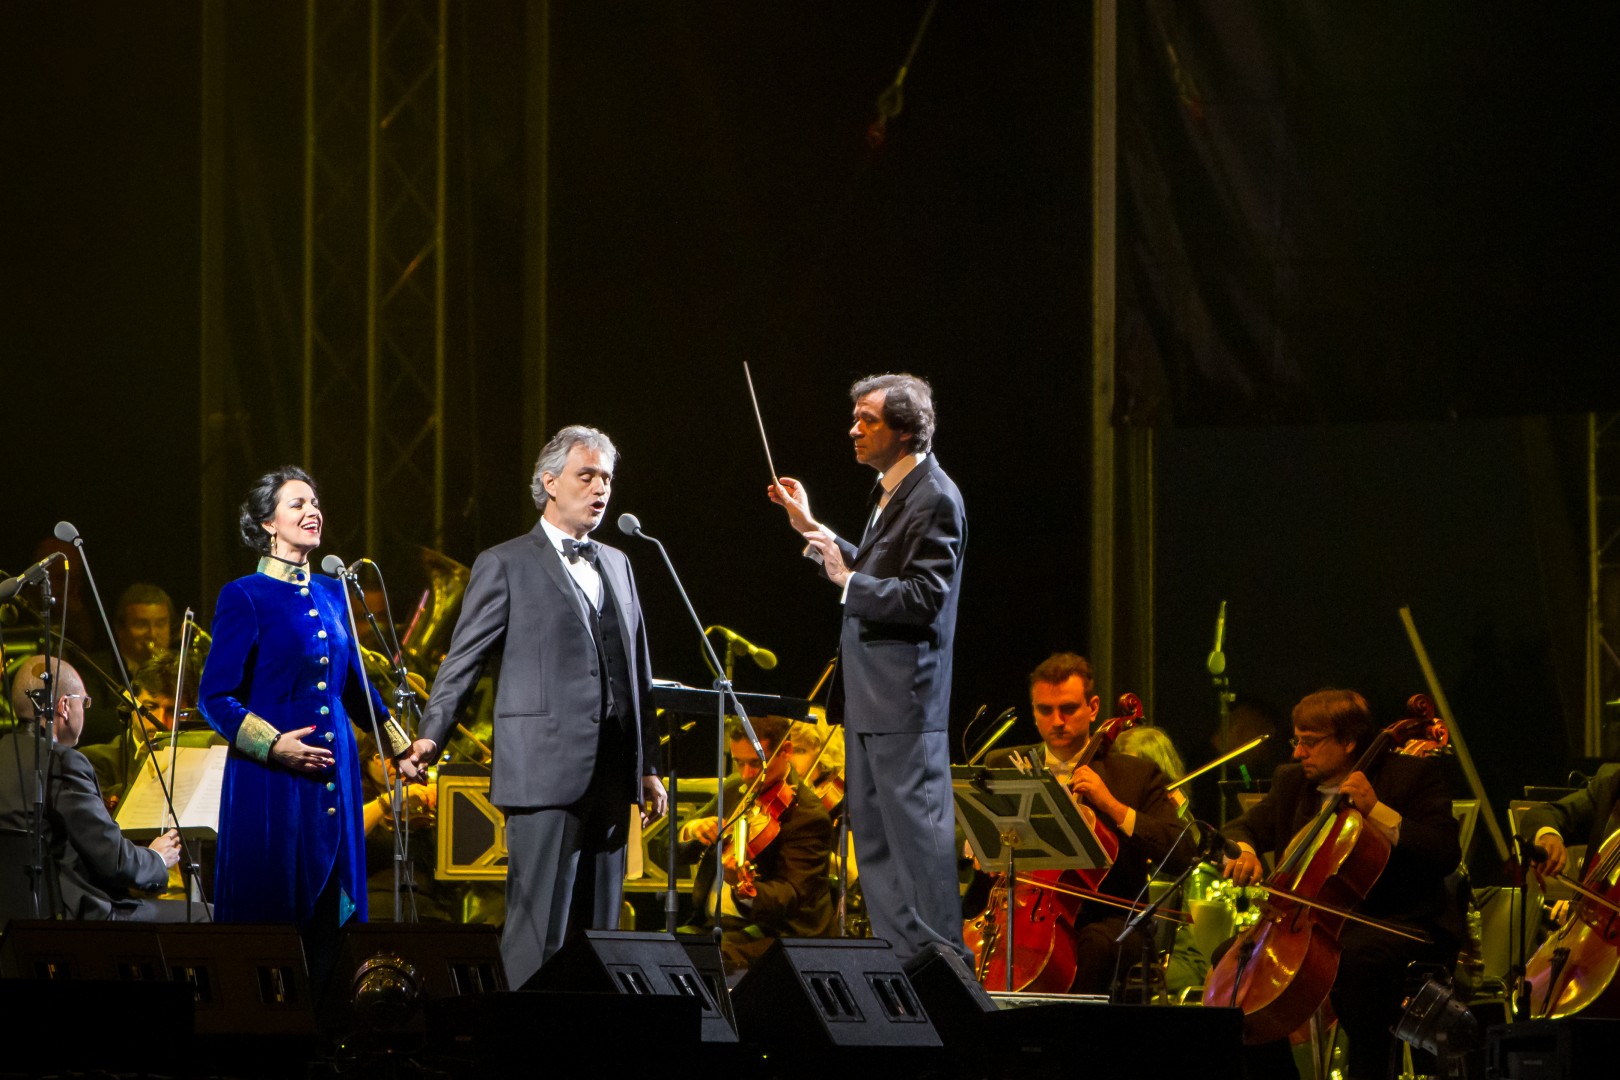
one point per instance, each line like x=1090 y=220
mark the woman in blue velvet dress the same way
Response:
x=281 y=684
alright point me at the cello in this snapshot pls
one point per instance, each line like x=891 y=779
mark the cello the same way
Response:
x=1279 y=971
x=1047 y=902
x=1573 y=971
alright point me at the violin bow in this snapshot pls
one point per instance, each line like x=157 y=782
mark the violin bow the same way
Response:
x=1168 y=914
x=1365 y=920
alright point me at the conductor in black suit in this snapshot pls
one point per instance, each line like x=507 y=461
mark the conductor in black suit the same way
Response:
x=1405 y=799
x=899 y=587
x=92 y=867
x=574 y=723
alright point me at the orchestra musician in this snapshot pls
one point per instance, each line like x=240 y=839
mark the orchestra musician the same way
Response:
x=91 y=867
x=1411 y=808
x=281 y=684
x=142 y=622
x=818 y=757
x=1127 y=792
x=1583 y=816
x=154 y=691
x=574 y=718
x=786 y=892
x=899 y=587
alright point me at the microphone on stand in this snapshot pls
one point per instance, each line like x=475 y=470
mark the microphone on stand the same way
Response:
x=1215 y=842
x=630 y=525
x=68 y=534
x=1216 y=664
x=394 y=741
x=741 y=646
x=31 y=576
x=1004 y=721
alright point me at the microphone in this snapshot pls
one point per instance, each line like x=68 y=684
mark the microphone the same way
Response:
x=31 y=576
x=1216 y=842
x=1531 y=851
x=333 y=565
x=66 y=533
x=1003 y=721
x=1217 y=658
x=629 y=524
x=741 y=646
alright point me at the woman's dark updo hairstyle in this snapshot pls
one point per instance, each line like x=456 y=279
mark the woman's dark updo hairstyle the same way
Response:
x=260 y=506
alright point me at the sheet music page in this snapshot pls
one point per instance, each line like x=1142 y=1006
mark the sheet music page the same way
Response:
x=200 y=773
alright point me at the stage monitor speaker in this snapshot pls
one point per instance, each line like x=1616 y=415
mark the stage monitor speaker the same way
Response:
x=387 y=970
x=837 y=992
x=704 y=952
x=246 y=979
x=635 y=964
x=1573 y=1048
x=950 y=994
x=67 y=951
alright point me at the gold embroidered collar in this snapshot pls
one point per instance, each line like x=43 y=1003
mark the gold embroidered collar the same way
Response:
x=282 y=570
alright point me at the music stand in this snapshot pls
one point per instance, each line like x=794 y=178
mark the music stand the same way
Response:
x=1022 y=818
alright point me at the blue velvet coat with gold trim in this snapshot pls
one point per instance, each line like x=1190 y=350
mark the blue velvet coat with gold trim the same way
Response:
x=283 y=659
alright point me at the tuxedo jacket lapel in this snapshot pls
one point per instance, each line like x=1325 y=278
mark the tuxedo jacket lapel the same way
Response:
x=551 y=565
x=895 y=511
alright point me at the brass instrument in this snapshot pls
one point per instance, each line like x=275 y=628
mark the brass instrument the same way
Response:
x=426 y=638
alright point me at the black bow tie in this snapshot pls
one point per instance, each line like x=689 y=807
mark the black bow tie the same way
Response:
x=574 y=550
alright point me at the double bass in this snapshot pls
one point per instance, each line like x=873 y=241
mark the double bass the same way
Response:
x=1047 y=902
x=1279 y=971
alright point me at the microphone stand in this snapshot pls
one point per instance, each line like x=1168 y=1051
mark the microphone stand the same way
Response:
x=1216 y=666
x=1519 y=992
x=65 y=531
x=724 y=689
x=1149 y=950
x=44 y=701
x=404 y=700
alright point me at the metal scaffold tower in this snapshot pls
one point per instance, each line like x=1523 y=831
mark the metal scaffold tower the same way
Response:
x=1603 y=597
x=374 y=267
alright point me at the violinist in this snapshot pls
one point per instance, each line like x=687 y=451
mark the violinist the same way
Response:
x=1410 y=806
x=782 y=890
x=1127 y=793
x=818 y=758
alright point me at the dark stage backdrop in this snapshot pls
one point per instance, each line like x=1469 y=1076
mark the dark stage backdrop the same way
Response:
x=713 y=199
x=1376 y=210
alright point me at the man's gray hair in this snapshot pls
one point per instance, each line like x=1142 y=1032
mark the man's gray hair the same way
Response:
x=554 y=455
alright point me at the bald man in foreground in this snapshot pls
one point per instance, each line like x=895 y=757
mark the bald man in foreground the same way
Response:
x=93 y=866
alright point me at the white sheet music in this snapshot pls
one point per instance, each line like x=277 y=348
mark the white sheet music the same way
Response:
x=199 y=775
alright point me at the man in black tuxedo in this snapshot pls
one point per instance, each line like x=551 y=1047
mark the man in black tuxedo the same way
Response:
x=574 y=723
x=1411 y=808
x=1127 y=793
x=1581 y=817
x=787 y=892
x=90 y=867
x=899 y=588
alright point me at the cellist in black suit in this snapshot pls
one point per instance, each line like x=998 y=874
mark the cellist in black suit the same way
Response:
x=1583 y=816
x=1411 y=807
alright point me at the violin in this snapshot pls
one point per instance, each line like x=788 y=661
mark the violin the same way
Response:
x=1280 y=970
x=830 y=790
x=1574 y=969
x=1047 y=902
x=752 y=832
